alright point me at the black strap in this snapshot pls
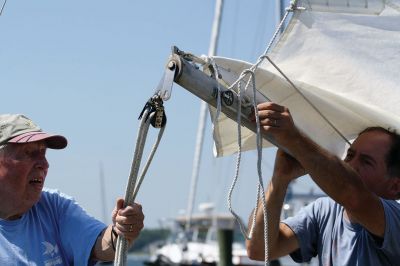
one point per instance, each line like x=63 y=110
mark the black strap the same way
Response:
x=113 y=235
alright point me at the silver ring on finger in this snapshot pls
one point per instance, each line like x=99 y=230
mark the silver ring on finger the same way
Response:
x=131 y=228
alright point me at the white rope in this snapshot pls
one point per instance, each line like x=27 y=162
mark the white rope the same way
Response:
x=260 y=186
x=149 y=159
x=134 y=183
x=216 y=73
x=122 y=243
x=291 y=8
x=253 y=68
x=238 y=160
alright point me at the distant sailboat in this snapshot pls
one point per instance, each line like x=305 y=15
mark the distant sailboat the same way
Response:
x=199 y=245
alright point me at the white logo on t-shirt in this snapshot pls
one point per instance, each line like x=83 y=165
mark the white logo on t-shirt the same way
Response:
x=51 y=251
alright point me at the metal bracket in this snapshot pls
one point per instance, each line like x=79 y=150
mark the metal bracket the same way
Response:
x=164 y=88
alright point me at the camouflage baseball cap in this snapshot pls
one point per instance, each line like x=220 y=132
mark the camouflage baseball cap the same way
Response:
x=17 y=128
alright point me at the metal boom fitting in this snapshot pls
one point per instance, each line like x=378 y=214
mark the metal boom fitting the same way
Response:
x=189 y=76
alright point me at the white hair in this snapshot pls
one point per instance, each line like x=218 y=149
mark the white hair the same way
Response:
x=3 y=148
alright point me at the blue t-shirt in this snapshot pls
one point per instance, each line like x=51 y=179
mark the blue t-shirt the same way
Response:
x=322 y=230
x=55 y=231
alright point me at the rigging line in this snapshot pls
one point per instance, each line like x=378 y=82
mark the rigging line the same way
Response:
x=149 y=159
x=307 y=100
x=260 y=187
x=253 y=68
x=260 y=30
x=293 y=6
x=239 y=153
x=2 y=8
x=238 y=161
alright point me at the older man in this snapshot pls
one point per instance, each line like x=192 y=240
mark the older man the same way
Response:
x=40 y=226
x=359 y=223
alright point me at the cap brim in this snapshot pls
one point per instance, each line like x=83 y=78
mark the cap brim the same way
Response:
x=52 y=141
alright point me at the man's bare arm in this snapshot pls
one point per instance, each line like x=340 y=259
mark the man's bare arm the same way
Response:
x=335 y=177
x=103 y=249
x=282 y=240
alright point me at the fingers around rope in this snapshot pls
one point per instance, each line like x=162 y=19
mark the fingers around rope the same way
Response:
x=128 y=221
x=271 y=122
x=268 y=110
x=262 y=114
x=271 y=106
x=130 y=229
x=129 y=215
x=272 y=118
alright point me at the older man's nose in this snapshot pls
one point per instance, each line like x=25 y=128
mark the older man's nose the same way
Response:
x=42 y=163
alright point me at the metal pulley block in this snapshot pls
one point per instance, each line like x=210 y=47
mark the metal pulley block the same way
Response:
x=156 y=112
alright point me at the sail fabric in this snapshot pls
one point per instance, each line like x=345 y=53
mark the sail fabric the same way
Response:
x=344 y=59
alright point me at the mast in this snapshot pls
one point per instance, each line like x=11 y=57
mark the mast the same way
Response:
x=2 y=7
x=280 y=10
x=203 y=116
x=280 y=14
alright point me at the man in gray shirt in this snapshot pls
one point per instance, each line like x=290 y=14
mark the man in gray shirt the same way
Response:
x=359 y=224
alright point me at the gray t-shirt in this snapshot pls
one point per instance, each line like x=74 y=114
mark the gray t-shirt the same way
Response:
x=322 y=230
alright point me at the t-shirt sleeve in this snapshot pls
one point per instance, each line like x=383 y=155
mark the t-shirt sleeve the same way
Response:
x=391 y=243
x=78 y=230
x=305 y=226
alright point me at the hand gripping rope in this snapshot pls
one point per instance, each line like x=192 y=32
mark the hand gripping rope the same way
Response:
x=153 y=113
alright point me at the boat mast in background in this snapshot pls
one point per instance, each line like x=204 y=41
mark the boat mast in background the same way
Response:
x=203 y=116
x=2 y=7
x=280 y=10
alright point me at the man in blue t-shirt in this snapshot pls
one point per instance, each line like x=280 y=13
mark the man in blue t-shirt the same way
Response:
x=359 y=224
x=45 y=227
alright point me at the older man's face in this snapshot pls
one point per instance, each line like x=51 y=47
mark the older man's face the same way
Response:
x=23 y=169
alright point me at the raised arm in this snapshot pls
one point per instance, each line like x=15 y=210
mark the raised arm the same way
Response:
x=335 y=177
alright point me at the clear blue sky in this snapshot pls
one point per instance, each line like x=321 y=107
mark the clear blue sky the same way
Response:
x=85 y=69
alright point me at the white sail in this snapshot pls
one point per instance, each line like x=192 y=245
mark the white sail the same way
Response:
x=345 y=57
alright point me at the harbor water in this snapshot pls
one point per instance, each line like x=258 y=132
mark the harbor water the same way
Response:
x=138 y=260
